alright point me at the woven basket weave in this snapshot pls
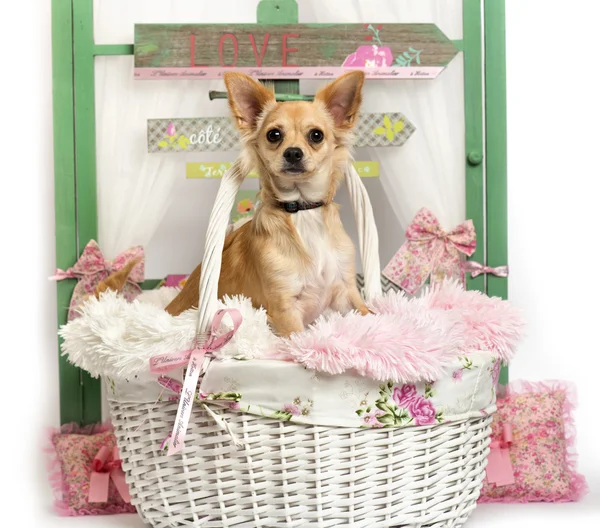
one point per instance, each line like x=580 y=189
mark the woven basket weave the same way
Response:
x=294 y=475
x=297 y=475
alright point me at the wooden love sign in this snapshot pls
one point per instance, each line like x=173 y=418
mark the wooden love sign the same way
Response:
x=293 y=51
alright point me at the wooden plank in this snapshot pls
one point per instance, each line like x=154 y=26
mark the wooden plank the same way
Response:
x=474 y=173
x=150 y=284
x=85 y=165
x=290 y=51
x=218 y=134
x=279 y=12
x=216 y=169
x=113 y=49
x=70 y=390
x=280 y=97
x=496 y=150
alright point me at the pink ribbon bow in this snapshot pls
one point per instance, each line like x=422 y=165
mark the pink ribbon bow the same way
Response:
x=499 y=470
x=475 y=269
x=106 y=468
x=193 y=359
x=429 y=251
x=91 y=268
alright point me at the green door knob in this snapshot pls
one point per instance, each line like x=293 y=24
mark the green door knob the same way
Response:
x=475 y=158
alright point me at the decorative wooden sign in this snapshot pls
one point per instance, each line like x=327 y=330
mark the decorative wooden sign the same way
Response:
x=294 y=51
x=215 y=170
x=218 y=134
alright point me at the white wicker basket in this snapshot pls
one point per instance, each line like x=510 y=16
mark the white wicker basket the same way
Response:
x=294 y=475
x=297 y=475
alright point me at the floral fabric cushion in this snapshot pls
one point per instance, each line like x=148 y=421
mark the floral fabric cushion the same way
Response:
x=73 y=451
x=542 y=448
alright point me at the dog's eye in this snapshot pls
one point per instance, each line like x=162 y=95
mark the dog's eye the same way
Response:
x=315 y=135
x=274 y=135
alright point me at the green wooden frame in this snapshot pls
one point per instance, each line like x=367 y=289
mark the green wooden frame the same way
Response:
x=67 y=251
x=496 y=150
x=73 y=52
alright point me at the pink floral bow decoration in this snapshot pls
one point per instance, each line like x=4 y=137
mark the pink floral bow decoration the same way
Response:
x=475 y=269
x=105 y=469
x=499 y=470
x=429 y=251
x=91 y=268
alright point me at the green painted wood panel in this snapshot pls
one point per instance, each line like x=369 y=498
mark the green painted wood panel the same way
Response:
x=113 y=49
x=474 y=147
x=496 y=150
x=70 y=388
x=150 y=284
x=85 y=163
x=277 y=12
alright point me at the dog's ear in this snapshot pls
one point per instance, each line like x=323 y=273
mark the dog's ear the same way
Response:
x=117 y=280
x=342 y=98
x=247 y=99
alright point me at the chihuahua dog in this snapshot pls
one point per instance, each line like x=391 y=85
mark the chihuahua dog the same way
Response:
x=293 y=258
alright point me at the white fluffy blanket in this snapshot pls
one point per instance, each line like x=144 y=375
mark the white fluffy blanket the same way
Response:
x=115 y=338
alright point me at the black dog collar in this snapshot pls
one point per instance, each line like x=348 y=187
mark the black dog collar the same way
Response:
x=294 y=207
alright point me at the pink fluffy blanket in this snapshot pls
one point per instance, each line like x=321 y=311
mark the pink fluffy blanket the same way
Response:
x=409 y=340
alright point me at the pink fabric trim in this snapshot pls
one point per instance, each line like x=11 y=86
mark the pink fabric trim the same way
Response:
x=55 y=475
x=579 y=486
x=288 y=72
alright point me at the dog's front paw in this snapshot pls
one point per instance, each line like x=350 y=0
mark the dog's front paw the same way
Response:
x=363 y=310
x=285 y=326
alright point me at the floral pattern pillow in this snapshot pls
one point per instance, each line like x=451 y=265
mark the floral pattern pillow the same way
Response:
x=542 y=449
x=73 y=451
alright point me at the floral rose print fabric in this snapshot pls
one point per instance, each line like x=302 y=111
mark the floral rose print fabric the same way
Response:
x=73 y=454
x=292 y=393
x=542 y=450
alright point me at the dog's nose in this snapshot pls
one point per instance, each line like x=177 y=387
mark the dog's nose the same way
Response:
x=293 y=155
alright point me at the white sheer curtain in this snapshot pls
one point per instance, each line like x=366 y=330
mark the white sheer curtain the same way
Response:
x=430 y=172
x=135 y=189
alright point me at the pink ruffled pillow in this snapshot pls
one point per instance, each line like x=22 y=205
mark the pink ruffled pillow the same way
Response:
x=72 y=460
x=542 y=451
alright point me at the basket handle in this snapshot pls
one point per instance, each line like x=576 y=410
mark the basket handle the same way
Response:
x=219 y=219
x=368 y=238
x=213 y=246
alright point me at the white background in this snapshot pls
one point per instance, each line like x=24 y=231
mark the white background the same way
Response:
x=554 y=206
